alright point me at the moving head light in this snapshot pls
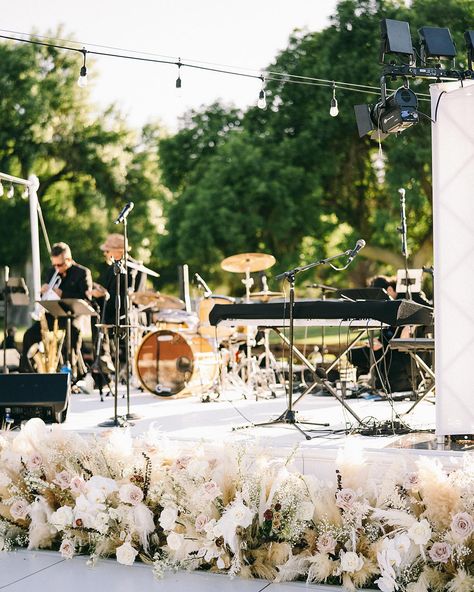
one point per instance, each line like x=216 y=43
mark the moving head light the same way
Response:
x=390 y=115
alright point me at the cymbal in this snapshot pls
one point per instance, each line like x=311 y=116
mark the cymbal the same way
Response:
x=250 y=262
x=140 y=267
x=265 y=296
x=157 y=300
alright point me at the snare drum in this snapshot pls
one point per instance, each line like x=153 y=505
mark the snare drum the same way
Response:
x=205 y=328
x=176 y=320
x=168 y=362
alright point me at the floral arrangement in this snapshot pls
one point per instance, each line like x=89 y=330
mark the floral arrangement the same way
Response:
x=233 y=510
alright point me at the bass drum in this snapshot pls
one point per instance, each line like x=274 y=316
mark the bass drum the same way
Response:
x=168 y=362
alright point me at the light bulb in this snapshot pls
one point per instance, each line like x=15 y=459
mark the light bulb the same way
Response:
x=25 y=194
x=82 y=80
x=334 y=110
x=262 y=102
x=11 y=192
x=1 y=189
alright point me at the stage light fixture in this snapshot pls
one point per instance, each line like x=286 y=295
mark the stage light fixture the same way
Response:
x=391 y=115
x=82 y=80
x=436 y=43
x=11 y=191
x=396 y=39
x=469 y=38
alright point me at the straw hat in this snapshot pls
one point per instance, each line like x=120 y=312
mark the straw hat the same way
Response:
x=113 y=242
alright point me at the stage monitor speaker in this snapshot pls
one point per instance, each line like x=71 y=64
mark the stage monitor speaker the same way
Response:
x=24 y=396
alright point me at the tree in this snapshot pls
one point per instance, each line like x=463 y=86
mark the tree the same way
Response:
x=295 y=182
x=89 y=163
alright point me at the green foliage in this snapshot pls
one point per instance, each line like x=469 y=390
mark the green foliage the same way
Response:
x=88 y=163
x=295 y=182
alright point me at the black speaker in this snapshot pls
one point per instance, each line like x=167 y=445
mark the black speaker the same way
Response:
x=23 y=396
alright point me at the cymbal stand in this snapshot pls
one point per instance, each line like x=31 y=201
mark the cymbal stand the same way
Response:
x=248 y=283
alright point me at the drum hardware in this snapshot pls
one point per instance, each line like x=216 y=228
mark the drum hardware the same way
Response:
x=142 y=269
x=248 y=263
x=156 y=300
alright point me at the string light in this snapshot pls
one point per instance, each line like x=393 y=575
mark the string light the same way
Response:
x=11 y=191
x=82 y=80
x=1 y=188
x=334 y=110
x=178 y=80
x=262 y=101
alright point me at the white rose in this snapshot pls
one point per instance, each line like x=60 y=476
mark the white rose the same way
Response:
x=126 y=554
x=351 y=562
x=386 y=584
x=67 y=549
x=168 y=518
x=62 y=517
x=462 y=525
x=174 y=540
x=306 y=511
x=19 y=510
x=345 y=498
x=197 y=468
x=420 y=532
x=241 y=515
x=106 y=485
x=130 y=494
x=100 y=522
x=326 y=543
x=4 y=479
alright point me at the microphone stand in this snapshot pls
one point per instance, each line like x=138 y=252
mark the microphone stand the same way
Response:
x=289 y=415
x=402 y=229
x=118 y=271
x=5 y=317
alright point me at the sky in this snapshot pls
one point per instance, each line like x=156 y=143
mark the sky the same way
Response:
x=239 y=33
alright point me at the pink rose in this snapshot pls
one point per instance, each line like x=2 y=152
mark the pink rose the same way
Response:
x=201 y=522
x=412 y=482
x=440 y=552
x=62 y=479
x=19 y=509
x=326 y=544
x=182 y=462
x=34 y=461
x=345 y=498
x=462 y=525
x=77 y=485
x=211 y=490
x=130 y=494
x=67 y=549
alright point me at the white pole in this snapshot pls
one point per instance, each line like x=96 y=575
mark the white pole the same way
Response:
x=35 y=250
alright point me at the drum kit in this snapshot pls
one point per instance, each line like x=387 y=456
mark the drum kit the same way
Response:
x=177 y=352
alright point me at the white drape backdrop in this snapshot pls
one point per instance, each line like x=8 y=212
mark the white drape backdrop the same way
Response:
x=453 y=219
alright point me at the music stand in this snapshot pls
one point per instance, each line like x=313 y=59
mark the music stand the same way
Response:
x=68 y=308
x=14 y=292
x=363 y=294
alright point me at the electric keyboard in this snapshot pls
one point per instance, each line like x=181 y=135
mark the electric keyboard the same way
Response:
x=364 y=313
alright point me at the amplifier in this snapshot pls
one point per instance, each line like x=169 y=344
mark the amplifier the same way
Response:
x=24 y=396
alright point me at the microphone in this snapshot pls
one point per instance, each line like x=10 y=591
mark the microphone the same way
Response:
x=360 y=244
x=127 y=208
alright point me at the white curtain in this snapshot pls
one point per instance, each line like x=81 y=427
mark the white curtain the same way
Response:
x=452 y=107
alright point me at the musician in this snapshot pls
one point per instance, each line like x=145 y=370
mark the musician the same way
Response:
x=391 y=369
x=66 y=279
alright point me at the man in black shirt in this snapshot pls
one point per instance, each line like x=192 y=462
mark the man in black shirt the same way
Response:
x=66 y=279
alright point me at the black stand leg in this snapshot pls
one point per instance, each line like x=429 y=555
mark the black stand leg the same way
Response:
x=289 y=415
